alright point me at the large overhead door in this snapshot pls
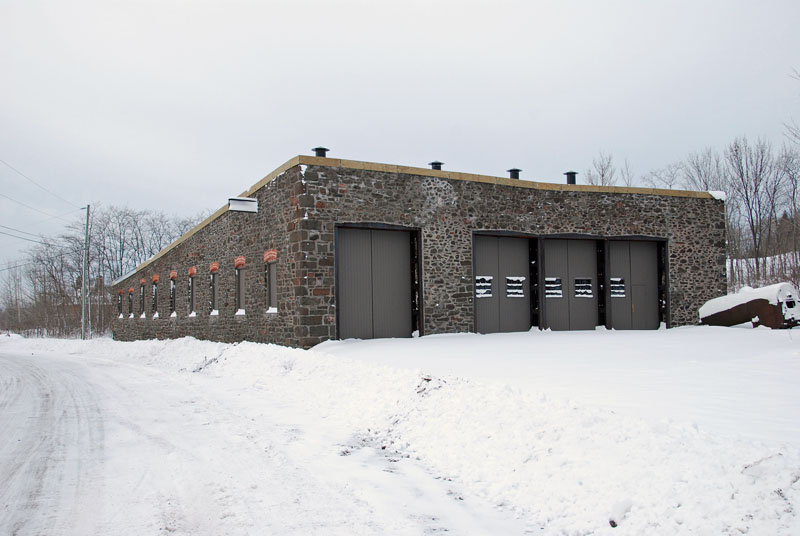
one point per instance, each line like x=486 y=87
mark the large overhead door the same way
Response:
x=374 y=283
x=633 y=284
x=502 y=286
x=570 y=284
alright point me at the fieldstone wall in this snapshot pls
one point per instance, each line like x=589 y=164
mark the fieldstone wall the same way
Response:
x=299 y=211
x=230 y=235
x=448 y=212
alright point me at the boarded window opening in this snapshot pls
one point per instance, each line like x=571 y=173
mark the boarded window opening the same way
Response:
x=171 y=296
x=617 y=287
x=583 y=288
x=119 y=304
x=212 y=294
x=239 y=290
x=141 y=299
x=553 y=287
x=515 y=287
x=271 y=287
x=155 y=298
x=190 y=292
x=483 y=286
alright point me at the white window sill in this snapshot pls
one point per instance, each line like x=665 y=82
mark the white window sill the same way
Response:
x=272 y=310
x=155 y=315
x=130 y=316
x=143 y=315
x=173 y=315
x=215 y=312
x=120 y=316
x=240 y=312
x=193 y=314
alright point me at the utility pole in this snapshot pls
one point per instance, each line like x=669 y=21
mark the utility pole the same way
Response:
x=84 y=275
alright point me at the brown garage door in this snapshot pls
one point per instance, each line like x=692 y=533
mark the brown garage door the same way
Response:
x=633 y=284
x=570 y=284
x=502 y=286
x=373 y=276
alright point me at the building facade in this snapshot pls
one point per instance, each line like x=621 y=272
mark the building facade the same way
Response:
x=340 y=249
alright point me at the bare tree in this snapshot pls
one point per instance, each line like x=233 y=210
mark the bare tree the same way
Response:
x=627 y=175
x=44 y=296
x=757 y=183
x=792 y=128
x=704 y=171
x=602 y=171
x=667 y=177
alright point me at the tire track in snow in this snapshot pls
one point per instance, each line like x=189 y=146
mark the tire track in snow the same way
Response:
x=48 y=439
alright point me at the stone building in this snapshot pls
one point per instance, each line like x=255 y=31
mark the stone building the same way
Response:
x=324 y=248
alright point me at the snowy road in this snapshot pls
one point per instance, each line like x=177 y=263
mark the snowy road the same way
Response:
x=98 y=446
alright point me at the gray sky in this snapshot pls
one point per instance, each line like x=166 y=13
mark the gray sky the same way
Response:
x=178 y=105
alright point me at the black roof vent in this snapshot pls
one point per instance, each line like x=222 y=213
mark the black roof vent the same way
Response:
x=514 y=172
x=436 y=164
x=571 y=176
x=320 y=151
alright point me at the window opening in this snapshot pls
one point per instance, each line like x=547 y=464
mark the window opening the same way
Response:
x=238 y=264
x=239 y=291
x=583 y=288
x=212 y=300
x=172 y=297
x=617 y=287
x=483 y=286
x=515 y=287
x=119 y=304
x=553 y=287
x=190 y=293
x=213 y=303
x=130 y=302
x=155 y=300
x=271 y=287
x=141 y=299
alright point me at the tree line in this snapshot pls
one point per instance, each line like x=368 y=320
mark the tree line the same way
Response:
x=761 y=185
x=41 y=295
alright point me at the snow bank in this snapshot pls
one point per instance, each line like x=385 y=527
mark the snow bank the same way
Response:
x=562 y=465
x=777 y=293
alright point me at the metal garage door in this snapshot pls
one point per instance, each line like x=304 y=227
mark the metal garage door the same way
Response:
x=633 y=284
x=374 y=283
x=502 y=286
x=570 y=284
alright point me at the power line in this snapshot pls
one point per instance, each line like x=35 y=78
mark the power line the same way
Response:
x=28 y=239
x=60 y=255
x=21 y=174
x=17 y=266
x=32 y=208
x=19 y=231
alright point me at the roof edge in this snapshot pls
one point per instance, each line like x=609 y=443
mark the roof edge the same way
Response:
x=408 y=170
x=219 y=212
x=505 y=181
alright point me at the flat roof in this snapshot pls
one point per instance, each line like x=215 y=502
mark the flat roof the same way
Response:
x=425 y=172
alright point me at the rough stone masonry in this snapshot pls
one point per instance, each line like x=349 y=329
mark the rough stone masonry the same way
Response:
x=302 y=202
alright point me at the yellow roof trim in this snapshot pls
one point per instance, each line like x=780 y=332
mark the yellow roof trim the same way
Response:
x=520 y=183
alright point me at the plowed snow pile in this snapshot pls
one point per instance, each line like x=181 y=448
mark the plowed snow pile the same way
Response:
x=684 y=431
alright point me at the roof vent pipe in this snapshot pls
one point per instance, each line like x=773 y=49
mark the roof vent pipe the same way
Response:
x=320 y=151
x=514 y=172
x=436 y=164
x=571 y=176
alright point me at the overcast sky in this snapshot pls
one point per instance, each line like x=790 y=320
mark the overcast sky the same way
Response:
x=178 y=105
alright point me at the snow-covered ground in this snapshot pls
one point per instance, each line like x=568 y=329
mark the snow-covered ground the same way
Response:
x=684 y=431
